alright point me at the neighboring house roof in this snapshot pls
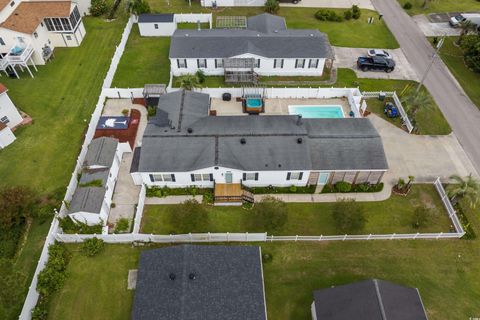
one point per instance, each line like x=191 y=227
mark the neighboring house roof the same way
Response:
x=87 y=199
x=264 y=36
x=271 y=142
x=3 y=89
x=228 y=283
x=145 y=18
x=92 y=175
x=101 y=152
x=28 y=15
x=369 y=300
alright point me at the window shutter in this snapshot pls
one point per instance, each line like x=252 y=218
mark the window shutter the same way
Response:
x=216 y=66
x=178 y=63
x=256 y=176
x=151 y=178
x=282 y=64
x=300 y=176
x=288 y=175
x=192 y=177
x=244 y=176
x=173 y=177
x=211 y=176
x=198 y=63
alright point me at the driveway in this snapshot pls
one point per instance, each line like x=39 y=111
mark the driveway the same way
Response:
x=425 y=157
x=458 y=109
x=435 y=29
x=347 y=58
x=364 y=4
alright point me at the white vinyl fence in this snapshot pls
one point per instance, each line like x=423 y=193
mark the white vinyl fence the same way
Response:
x=448 y=206
x=139 y=211
x=398 y=104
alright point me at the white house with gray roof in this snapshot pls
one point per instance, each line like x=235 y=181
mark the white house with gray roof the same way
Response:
x=184 y=146
x=92 y=199
x=265 y=47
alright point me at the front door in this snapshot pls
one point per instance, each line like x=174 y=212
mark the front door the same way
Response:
x=228 y=177
x=323 y=178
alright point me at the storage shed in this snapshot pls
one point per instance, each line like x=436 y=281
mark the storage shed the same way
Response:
x=157 y=25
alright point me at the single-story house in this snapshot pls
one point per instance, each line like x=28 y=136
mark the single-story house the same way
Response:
x=232 y=3
x=92 y=199
x=265 y=47
x=9 y=118
x=30 y=30
x=208 y=282
x=368 y=300
x=157 y=25
x=183 y=146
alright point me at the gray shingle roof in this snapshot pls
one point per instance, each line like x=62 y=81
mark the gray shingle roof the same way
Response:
x=369 y=300
x=92 y=175
x=228 y=284
x=101 y=152
x=148 y=17
x=271 y=142
x=263 y=37
x=87 y=199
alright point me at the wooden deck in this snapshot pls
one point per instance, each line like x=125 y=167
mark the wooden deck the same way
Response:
x=231 y=192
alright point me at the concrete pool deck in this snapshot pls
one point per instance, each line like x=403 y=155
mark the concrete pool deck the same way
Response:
x=275 y=106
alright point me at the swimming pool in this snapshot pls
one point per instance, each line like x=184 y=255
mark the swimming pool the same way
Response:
x=254 y=103
x=324 y=111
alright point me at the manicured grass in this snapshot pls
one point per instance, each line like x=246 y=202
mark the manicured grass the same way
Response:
x=390 y=216
x=145 y=60
x=446 y=272
x=187 y=25
x=60 y=99
x=452 y=55
x=437 y=6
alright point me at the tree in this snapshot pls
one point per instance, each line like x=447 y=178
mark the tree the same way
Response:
x=414 y=101
x=98 y=7
x=467 y=188
x=348 y=216
x=466 y=27
x=190 y=216
x=471 y=51
x=16 y=204
x=272 y=6
x=420 y=217
x=189 y=82
x=138 y=7
x=270 y=213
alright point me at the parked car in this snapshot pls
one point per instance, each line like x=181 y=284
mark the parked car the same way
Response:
x=378 y=53
x=474 y=18
x=456 y=20
x=375 y=63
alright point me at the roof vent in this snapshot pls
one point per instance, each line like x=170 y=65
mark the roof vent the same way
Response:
x=186 y=35
x=311 y=34
x=192 y=276
x=189 y=130
x=172 y=276
x=276 y=31
x=279 y=165
x=258 y=34
x=243 y=141
x=299 y=120
x=299 y=140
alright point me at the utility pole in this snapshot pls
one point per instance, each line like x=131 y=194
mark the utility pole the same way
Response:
x=439 y=46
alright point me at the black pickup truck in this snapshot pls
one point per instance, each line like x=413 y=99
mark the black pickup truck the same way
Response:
x=375 y=63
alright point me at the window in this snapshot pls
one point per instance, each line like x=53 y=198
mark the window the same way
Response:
x=257 y=63
x=299 y=63
x=155 y=25
x=41 y=23
x=201 y=177
x=75 y=17
x=201 y=63
x=49 y=24
x=69 y=37
x=218 y=63
x=162 y=177
x=250 y=176
x=313 y=63
x=35 y=35
x=66 y=24
x=2 y=42
x=182 y=63
x=278 y=63
x=294 y=175
x=58 y=24
x=4 y=120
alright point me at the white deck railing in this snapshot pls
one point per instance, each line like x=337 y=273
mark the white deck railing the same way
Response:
x=23 y=57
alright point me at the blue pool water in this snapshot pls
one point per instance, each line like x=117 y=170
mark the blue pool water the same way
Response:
x=309 y=112
x=254 y=103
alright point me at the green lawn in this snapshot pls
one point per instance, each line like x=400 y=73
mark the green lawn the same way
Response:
x=453 y=58
x=436 y=6
x=446 y=272
x=390 y=216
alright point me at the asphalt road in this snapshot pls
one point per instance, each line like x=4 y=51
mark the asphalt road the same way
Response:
x=461 y=113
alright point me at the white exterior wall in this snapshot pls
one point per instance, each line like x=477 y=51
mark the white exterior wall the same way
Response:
x=89 y=217
x=5 y=13
x=165 y=29
x=6 y=137
x=266 y=67
x=233 y=3
x=83 y=6
x=8 y=109
x=314 y=312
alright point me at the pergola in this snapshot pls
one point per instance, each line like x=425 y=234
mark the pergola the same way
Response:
x=231 y=22
x=152 y=92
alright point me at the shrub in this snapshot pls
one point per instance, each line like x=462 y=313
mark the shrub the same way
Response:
x=328 y=15
x=347 y=15
x=16 y=204
x=293 y=189
x=40 y=312
x=152 y=111
x=208 y=197
x=420 y=217
x=138 y=6
x=471 y=46
x=53 y=276
x=348 y=216
x=270 y=213
x=125 y=112
x=98 y=7
x=91 y=247
x=266 y=257
x=407 y=6
x=190 y=216
x=343 y=186
x=93 y=183
x=200 y=76
x=356 y=13
x=70 y=226
x=122 y=225
x=271 y=6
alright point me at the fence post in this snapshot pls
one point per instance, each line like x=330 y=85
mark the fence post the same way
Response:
x=393 y=235
x=246 y=236
x=190 y=234
x=228 y=236
x=344 y=237
x=209 y=238
x=415 y=237
x=296 y=238
x=440 y=235
x=78 y=237
x=320 y=238
x=369 y=236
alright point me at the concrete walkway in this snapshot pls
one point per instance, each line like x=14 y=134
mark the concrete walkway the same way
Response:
x=347 y=58
x=437 y=29
x=364 y=4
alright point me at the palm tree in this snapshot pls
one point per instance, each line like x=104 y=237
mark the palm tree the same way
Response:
x=138 y=7
x=189 y=82
x=415 y=101
x=467 y=188
x=466 y=26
